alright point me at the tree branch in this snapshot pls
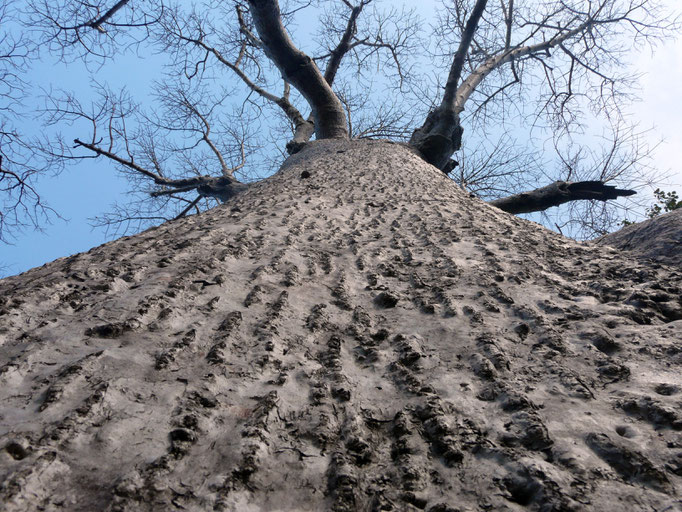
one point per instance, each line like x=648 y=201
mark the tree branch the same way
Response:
x=224 y=168
x=558 y=193
x=469 y=85
x=158 y=179
x=189 y=207
x=289 y=110
x=222 y=188
x=244 y=29
x=303 y=133
x=298 y=69
x=508 y=19
x=97 y=23
x=441 y=134
x=448 y=103
x=344 y=45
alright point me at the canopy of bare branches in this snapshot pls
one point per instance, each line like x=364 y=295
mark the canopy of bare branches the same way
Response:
x=245 y=83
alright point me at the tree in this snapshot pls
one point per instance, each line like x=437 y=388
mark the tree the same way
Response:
x=353 y=333
x=666 y=202
x=549 y=62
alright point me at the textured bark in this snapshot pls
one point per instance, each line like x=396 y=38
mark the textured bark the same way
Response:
x=438 y=138
x=299 y=70
x=352 y=333
x=558 y=193
x=658 y=239
x=223 y=188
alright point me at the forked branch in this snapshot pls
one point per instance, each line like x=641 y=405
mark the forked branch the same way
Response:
x=222 y=188
x=441 y=134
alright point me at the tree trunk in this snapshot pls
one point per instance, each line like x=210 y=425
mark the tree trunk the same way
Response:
x=352 y=333
x=558 y=193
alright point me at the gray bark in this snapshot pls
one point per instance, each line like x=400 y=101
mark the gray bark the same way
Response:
x=658 y=239
x=353 y=333
x=303 y=132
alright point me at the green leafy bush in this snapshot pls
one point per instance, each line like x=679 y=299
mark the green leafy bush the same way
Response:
x=665 y=202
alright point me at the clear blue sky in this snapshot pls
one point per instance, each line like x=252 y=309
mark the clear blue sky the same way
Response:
x=90 y=188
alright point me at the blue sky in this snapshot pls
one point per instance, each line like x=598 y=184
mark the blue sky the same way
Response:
x=90 y=188
x=661 y=105
x=81 y=191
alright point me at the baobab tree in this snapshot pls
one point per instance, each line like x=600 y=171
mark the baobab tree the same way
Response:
x=239 y=92
x=354 y=332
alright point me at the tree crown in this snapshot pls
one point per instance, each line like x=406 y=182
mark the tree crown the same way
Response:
x=242 y=87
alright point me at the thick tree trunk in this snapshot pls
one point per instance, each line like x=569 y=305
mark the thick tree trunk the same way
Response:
x=438 y=138
x=353 y=333
x=558 y=193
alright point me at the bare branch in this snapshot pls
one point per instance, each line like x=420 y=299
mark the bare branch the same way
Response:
x=88 y=28
x=189 y=207
x=448 y=103
x=21 y=204
x=557 y=194
x=223 y=188
x=344 y=45
x=299 y=70
x=244 y=29
x=441 y=134
x=97 y=23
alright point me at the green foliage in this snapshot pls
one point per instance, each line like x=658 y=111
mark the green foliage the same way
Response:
x=665 y=202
